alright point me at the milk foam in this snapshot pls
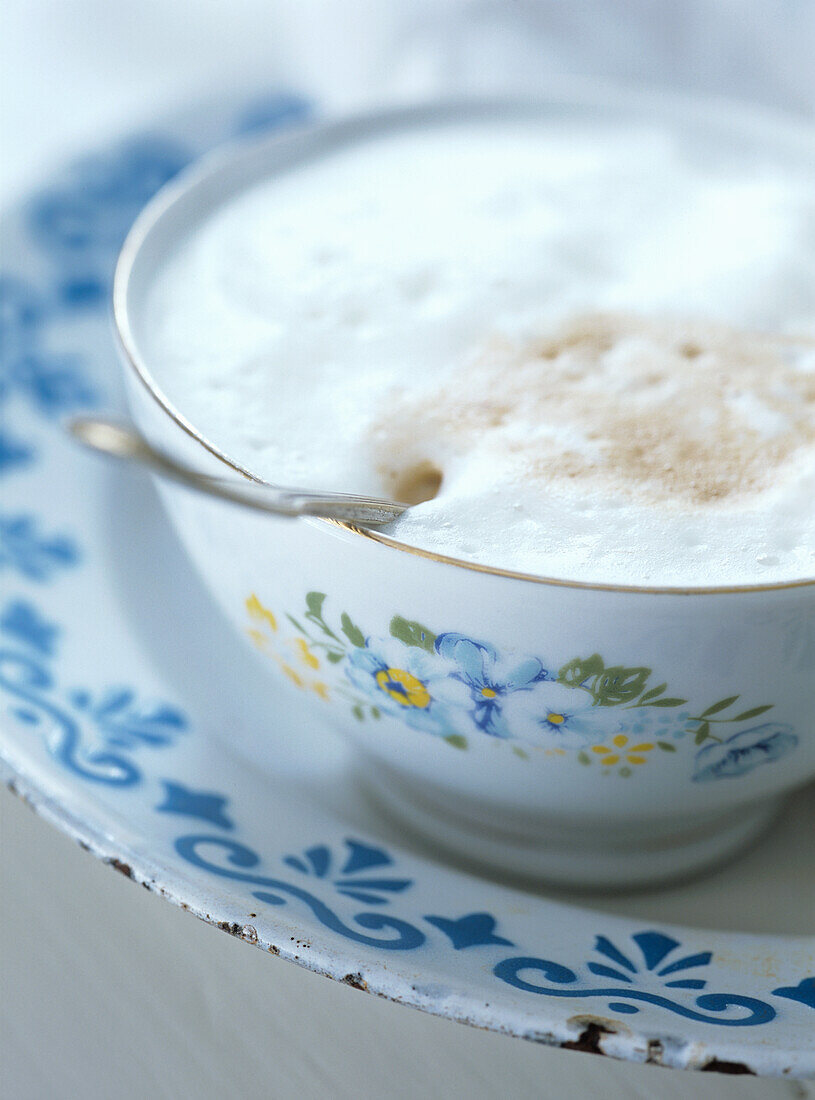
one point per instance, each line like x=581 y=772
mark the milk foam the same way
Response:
x=553 y=321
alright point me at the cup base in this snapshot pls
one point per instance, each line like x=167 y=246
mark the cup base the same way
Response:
x=638 y=854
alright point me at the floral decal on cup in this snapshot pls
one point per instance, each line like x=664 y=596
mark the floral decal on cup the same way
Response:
x=409 y=683
x=609 y=717
x=624 y=753
x=744 y=751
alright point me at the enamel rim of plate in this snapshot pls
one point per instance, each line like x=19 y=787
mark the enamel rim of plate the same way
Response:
x=719 y=112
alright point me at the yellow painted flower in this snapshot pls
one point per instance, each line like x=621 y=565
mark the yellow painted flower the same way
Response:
x=620 y=751
x=403 y=687
x=414 y=683
x=260 y=613
x=300 y=661
x=304 y=653
x=301 y=679
x=291 y=673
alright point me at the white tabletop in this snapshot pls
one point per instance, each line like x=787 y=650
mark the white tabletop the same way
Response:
x=105 y=990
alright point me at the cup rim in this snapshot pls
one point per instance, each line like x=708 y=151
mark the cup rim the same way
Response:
x=211 y=165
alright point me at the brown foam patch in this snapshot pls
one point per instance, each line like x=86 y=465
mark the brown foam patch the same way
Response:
x=661 y=409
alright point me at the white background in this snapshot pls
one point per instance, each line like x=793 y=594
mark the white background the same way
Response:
x=73 y=70
x=105 y=991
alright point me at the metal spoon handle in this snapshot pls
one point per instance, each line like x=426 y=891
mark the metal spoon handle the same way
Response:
x=112 y=437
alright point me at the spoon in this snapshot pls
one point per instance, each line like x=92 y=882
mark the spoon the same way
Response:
x=112 y=437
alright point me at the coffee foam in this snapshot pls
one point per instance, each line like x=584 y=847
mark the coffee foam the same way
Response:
x=504 y=318
x=664 y=412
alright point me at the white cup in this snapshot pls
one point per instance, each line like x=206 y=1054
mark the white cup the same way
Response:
x=595 y=735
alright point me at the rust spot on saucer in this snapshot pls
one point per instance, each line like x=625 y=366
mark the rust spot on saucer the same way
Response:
x=122 y=867
x=717 y=1065
x=356 y=981
x=241 y=931
x=589 y=1039
x=655 y=1052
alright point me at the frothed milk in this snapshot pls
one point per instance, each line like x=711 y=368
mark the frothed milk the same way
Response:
x=585 y=352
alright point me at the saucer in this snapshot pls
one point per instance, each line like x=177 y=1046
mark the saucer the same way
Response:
x=129 y=722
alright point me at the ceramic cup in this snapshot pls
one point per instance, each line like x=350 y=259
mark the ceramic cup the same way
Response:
x=594 y=735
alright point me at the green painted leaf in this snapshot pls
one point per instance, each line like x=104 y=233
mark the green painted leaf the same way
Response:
x=666 y=746
x=314 y=602
x=358 y=713
x=667 y=702
x=702 y=733
x=624 y=772
x=413 y=634
x=575 y=673
x=754 y=713
x=456 y=740
x=620 y=685
x=520 y=752
x=584 y=758
x=723 y=704
x=376 y=712
x=652 y=694
x=334 y=656
x=351 y=632
x=295 y=624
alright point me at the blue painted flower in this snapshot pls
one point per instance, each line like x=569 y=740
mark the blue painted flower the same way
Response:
x=208 y=806
x=21 y=309
x=656 y=948
x=804 y=992
x=554 y=715
x=134 y=171
x=82 y=223
x=744 y=751
x=89 y=735
x=70 y=223
x=13 y=452
x=661 y=979
x=94 y=209
x=489 y=677
x=54 y=384
x=124 y=721
x=407 y=682
x=22 y=622
x=34 y=555
x=352 y=877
